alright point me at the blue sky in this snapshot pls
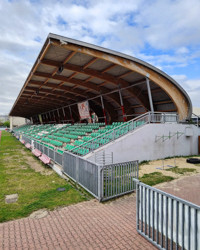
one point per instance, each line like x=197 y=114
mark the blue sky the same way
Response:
x=164 y=33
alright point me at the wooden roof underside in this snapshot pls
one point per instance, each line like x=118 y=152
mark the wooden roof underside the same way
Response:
x=62 y=76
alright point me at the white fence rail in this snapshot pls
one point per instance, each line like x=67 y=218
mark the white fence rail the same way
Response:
x=166 y=220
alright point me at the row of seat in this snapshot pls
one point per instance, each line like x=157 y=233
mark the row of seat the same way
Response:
x=78 y=136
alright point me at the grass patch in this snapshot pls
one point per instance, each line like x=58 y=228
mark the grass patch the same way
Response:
x=35 y=190
x=178 y=170
x=155 y=178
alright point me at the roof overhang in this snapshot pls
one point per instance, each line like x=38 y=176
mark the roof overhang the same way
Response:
x=68 y=71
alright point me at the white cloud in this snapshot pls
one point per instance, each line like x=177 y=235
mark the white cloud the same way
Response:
x=192 y=87
x=131 y=27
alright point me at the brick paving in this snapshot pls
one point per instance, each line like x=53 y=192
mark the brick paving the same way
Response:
x=186 y=188
x=87 y=225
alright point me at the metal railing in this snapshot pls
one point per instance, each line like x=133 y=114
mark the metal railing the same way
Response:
x=195 y=119
x=165 y=220
x=103 y=158
x=115 y=133
x=52 y=154
x=102 y=181
x=83 y=172
x=26 y=139
x=117 y=179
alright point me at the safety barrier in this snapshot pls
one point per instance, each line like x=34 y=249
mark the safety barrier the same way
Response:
x=102 y=181
x=165 y=220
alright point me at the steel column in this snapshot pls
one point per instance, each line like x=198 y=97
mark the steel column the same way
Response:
x=122 y=105
x=71 y=114
x=149 y=94
x=103 y=108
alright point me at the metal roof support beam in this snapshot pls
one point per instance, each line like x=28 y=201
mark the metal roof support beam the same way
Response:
x=103 y=76
x=70 y=111
x=174 y=91
x=122 y=105
x=63 y=110
x=149 y=94
x=103 y=108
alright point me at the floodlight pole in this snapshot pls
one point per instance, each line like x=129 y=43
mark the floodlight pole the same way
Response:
x=103 y=108
x=149 y=94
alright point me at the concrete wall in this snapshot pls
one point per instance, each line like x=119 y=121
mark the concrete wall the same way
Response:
x=16 y=121
x=141 y=144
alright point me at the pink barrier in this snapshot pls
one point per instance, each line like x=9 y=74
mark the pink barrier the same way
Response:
x=22 y=141
x=45 y=159
x=37 y=152
x=28 y=145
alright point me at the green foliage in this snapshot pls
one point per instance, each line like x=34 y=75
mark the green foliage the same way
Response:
x=7 y=124
x=178 y=170
x=35 y=189
x=155 y=178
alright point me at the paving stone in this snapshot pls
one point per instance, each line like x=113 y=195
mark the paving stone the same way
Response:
x=39 y=214
x=11 y=198
x=86 y=225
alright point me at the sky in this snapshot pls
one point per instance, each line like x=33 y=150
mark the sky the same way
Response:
x=163 y=33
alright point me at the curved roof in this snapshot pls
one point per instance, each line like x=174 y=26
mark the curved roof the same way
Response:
x=68 y=71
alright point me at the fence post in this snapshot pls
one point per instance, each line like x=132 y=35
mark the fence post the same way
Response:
x=137 y=203
x=100 y=182
x=104 y=160
x=149 y=117
x=77 y=169
x=137 y=164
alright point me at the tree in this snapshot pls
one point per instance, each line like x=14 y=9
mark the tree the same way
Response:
x=6 y=124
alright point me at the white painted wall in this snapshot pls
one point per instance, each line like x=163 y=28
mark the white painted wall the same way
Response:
x=140 y=144
x=16 y=121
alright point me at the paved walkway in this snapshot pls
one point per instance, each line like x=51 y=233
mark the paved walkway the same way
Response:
x=87 y=225
x=186 y=188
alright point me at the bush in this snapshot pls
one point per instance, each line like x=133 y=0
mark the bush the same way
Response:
x=6 y=124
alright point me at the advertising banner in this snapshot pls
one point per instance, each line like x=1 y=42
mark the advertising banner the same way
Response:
x=84 y=111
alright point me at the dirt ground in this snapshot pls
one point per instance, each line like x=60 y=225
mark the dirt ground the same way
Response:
x=157 y=166
x=36 y=164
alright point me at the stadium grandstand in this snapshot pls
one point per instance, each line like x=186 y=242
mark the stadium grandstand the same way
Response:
x=94 y=113
x=85 y=99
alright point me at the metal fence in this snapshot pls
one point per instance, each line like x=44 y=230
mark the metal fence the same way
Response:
x=103 y=182
x=117 y=179
x=103 y=158
x=58 y=158
x=26 y=139
x=84 y=172
x=165 y=220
